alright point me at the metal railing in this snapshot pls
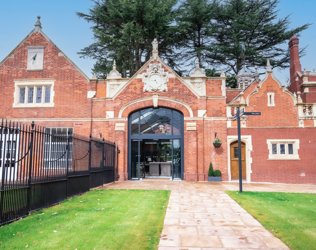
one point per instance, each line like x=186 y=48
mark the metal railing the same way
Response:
x=39 y=169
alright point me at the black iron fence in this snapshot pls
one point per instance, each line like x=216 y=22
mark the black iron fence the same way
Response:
x=40 y=167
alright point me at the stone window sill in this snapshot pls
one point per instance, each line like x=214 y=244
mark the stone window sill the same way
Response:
x=48 y=105
x=34 y=69
x=284 y=159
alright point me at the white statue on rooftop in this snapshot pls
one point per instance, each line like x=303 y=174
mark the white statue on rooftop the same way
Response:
x=155 y=45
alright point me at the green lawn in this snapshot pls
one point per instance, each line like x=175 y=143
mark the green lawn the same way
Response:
x=99 y=219
x=289 y=216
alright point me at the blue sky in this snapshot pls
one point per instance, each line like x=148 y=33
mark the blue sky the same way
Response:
x=61 y=24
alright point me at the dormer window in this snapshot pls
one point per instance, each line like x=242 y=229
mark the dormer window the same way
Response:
x=35 y=58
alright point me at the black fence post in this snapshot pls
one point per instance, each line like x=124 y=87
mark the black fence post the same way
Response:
x=30 y=169
x=90 y=162
x=103 y=165
x=67 y=162
x=3 y=132
x=116 y=169
x=113 y=162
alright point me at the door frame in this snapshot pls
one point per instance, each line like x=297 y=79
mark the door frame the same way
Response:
x=154 y=136
x=247 y=139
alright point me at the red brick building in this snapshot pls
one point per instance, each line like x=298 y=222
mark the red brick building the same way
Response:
x=164 y=124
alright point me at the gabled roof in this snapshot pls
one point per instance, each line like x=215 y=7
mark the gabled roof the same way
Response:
x=123 y=86
x=50 y=41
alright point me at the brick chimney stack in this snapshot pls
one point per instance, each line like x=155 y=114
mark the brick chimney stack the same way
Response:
x=295 y=64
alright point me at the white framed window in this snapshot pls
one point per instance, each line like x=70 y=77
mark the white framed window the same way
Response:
x=35 y=58
x=55 y=150
x=32 y=93
x=283 y=149
x=271 y=99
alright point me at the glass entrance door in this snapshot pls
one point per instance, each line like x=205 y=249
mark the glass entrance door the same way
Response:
x=155 y=144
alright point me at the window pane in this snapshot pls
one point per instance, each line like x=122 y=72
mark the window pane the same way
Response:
x=30 y=94
x=236 y=153
x=176 y=122
x=176 y=159
x=47 y=94
x=134 y=123
x=39 y=91
x=282 y=149
x=22 y=95
x=274 y=149
x=290 y=149
x=155 y=121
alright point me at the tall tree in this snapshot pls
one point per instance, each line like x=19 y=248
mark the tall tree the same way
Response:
x=195 y=29
x=254 y=23
x=124 y=30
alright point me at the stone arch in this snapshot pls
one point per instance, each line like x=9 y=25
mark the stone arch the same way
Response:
x=148 y=102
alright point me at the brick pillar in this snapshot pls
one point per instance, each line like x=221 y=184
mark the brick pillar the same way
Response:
x=200 y=149
x=190 y=155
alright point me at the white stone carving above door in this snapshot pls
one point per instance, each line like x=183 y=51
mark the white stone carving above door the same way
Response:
x=155 y=79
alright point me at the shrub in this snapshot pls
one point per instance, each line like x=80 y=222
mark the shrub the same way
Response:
x=217 y=173
x=210 y=170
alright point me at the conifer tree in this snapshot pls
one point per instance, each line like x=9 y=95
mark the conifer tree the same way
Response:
x=195 y=29
x=254 y=23
x=124 y=30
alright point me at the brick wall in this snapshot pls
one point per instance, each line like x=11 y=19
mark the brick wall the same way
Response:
x=70 y=87
x=301 y=171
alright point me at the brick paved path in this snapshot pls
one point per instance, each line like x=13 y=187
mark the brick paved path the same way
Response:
x=200 y=216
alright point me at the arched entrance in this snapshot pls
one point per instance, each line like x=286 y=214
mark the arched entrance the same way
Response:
x=234 y=161
x=155 y=142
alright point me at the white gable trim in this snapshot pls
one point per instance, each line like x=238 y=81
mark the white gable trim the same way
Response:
x=123 y=86
x=256 y=90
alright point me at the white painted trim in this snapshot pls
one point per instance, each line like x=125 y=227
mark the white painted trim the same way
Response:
x=286 y=156
x=18 y=83
x=151 y=98
x=247 y=139
x=271 y=95
x=91 y=94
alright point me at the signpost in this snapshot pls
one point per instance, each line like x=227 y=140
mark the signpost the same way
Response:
x=237 y=116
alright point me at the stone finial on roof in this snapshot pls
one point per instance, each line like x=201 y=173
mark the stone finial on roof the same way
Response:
x=304 y=72
x=94 y=77
x=223 y=74
x=38 y=25
x=269 y=69
x=114 y=74
x=155 y=45
x=198 y=72
x=257 y=78
x=155 y=48
x=114 y=64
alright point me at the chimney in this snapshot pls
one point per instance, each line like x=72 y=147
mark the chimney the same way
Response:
x=295 y=64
